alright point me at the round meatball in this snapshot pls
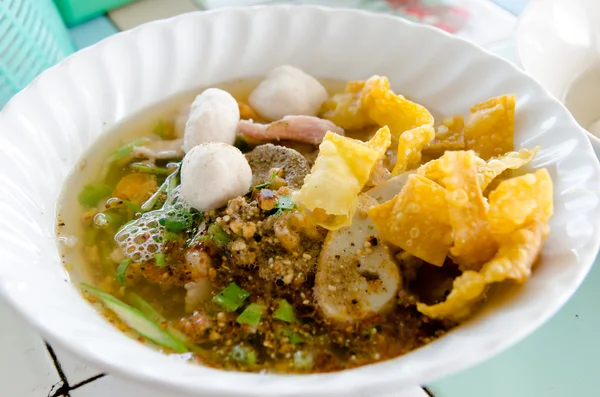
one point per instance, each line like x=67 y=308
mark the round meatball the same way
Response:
x=212 y=174
x=214 y=116
x=288 y=91
x=264 y=158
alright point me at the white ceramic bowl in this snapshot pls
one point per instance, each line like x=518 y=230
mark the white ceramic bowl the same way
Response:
x=559 y=44
x=45 y=128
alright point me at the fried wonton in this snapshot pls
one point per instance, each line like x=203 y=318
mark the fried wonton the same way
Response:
x=370 y=102
x=517 y=254
x=519 y=201
x=441 y=210
x=520 y=209
x=341 y=170
x=345 y=108
x=385 y=107
x=467 y=210
x=449 y=135
x=487 y=171
x=467 y=290
x=497 y=165
x=490 y=128
x=513 y=261
x=416 y=220
x=410 y=144
x=433 y=169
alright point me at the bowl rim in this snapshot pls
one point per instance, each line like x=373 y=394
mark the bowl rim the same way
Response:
x=332 y=387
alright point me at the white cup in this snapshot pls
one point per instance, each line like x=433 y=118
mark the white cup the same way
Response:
x=559 y=44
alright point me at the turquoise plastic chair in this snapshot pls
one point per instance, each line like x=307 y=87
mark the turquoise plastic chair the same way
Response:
x=32 y=38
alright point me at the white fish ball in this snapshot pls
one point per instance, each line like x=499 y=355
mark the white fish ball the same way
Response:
x=288 y=91
x=213 y=173
x=214 y=116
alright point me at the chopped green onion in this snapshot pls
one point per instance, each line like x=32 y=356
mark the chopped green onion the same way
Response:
x=171 y=182
x=174 y=224
x=285 y=312
x=112 y=217
x=177 y=220
x=160 y=260
x=137 y=320
x=295 y=338
x=284 y=203
x=116 y=218
x=151 y=202
x=121 y=271
x=251 y=314
x=133 y=207
x=91 y=194
x=267 y=183
x=303 y=360
x=171 y=236
x=218 y=235
x=231 y=298
x=155 y=316
x=126 y=149
x=168 y=187
x=244 y=355
x=141 y=304
x=147 y=169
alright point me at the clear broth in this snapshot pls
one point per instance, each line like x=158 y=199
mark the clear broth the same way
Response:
x=87 y=255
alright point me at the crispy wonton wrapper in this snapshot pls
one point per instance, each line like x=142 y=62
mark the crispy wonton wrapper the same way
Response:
x=467 y=290
x=520 y=209
x=345 y=109
x=519 y=201
x=517 y=254
x=486 y=171
x=384 y=107
x=410 y=144
x=369 y=102
x=341 y=170
x=416 y=220
x=433 y=169
x=467 y=210
x=514 y=261
x=490 y=128
x=449 y=135
x=497 y=165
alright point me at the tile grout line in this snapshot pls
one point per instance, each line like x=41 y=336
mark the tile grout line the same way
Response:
x=63 y=390
x=86 y=381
